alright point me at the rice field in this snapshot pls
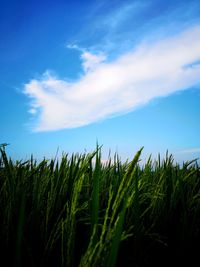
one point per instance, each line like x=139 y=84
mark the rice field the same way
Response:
x=81 y=212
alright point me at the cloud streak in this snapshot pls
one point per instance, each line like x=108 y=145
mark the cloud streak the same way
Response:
x=111 y=88
x=189 y=151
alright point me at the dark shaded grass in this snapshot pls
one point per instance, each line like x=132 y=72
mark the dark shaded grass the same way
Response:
x=81 y=212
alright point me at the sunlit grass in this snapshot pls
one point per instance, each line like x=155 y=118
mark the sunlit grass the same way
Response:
x=81 y=212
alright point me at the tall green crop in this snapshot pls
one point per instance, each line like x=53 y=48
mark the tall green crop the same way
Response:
x=82 y=212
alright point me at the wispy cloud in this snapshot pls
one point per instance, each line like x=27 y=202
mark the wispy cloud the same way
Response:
x=115 y=24
x=189 y=151
x=120 y=15
x=112 y=88
x=118 y=25
x=89 y=60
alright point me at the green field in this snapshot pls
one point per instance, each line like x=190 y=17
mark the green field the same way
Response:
x=81 y=212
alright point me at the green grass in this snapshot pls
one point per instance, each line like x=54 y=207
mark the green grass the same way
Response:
x=81 y=212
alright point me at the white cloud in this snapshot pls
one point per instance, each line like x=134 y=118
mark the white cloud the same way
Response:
x=91 y=61
x=32 y=111
x=108 y=89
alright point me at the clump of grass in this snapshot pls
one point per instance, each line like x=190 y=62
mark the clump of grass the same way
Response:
x=81 y=212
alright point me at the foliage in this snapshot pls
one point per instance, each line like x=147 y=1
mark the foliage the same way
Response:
x=82 y=212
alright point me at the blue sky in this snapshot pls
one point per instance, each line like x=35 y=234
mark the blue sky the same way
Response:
x=123 y=73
